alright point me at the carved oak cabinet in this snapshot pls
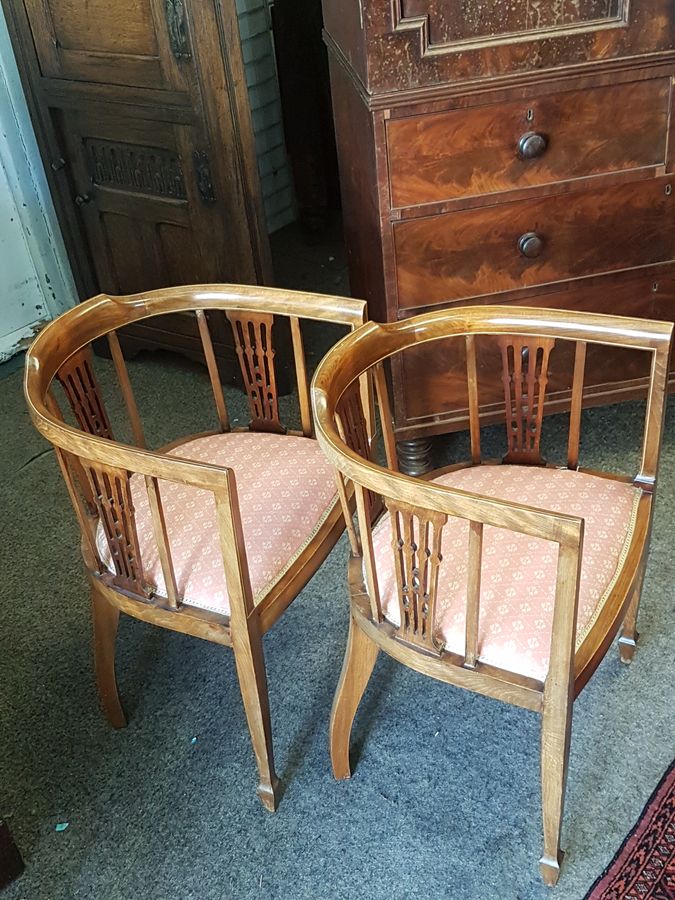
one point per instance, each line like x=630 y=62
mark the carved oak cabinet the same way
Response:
x=520 y=153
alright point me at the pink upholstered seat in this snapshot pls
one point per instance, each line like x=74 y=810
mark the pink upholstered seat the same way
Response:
x=519 y=572
x=286 y=489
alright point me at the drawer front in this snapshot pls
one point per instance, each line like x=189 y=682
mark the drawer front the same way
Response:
x=430 y=385
x=530 y=242
x=488 y=149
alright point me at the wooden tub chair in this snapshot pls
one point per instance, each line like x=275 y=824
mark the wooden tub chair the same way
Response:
x=216 y=533
x=508 y=579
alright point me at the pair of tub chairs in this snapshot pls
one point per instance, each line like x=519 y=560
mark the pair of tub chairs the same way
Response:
x=508 y=579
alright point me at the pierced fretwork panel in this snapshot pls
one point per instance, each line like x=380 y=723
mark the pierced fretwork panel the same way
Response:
x=354 y=432
x=525 y=376
x=112 y=495
x=81 y=388
x=253 y=342
x=416 y=543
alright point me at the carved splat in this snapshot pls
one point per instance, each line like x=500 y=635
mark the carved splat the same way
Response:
x=354 y=432
x=525 y=376
x=416 y=542
x=81 y=388
x=253 y=342
x=111 y=491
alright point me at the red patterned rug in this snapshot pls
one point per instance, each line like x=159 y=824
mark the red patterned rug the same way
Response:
x=644 y=866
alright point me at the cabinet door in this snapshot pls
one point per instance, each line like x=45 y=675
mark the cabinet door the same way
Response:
x=143 y=120
x=417 y=43
x=126 y=42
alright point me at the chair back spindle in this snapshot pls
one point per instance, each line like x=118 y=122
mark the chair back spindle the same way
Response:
x=576 y=405
x=76 y=376
x=253 y=343
x=212 y=366
x=525 y=377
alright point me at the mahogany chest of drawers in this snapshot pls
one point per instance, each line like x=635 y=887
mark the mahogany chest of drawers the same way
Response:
x=514 y=153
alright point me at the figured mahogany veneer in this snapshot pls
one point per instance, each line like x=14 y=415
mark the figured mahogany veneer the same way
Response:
x=421 y=510
x=518 y=150
x=469 y=152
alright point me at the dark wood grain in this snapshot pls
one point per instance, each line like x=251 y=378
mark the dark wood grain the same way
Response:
x=463 y=153
x=143 y=122
x=475 y=252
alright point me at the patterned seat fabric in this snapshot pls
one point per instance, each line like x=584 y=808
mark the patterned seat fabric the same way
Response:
x=286 y=489
x=518 y=573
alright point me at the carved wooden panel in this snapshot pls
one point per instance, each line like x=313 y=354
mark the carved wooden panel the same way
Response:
x=416 y=543
x=354 y=432
x=253 y=343
x=525 y=377
x=445 y=23
x=146 y=170
x=112 y=495
x=81 y=388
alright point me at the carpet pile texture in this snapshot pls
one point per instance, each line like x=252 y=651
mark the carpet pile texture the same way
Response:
x=444 y=802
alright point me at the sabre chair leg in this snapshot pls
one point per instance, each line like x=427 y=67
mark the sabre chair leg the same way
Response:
x=250 y=662
x=105 y=619
x=555 y=749
x=629 y=633
x=357 y=668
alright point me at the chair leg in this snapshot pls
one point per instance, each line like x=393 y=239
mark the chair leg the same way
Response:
x=629 y=633
x=250 y=662
x=357 y=668
x=106 y=617
x=555 y=749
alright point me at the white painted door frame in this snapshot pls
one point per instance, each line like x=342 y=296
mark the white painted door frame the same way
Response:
x=36 y=283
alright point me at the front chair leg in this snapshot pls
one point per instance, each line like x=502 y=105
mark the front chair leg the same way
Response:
x=250 y=662
x=629 y=633
x=555 y=749
x=105 y=619
x=357 y=668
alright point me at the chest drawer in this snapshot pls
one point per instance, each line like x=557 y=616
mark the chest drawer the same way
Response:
x=531 y=242
x=491 y=149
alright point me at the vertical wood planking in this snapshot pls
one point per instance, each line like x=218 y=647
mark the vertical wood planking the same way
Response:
x=301 y=377
x=125 y=387
x=474 y=563
x=386 y=418
x=472 y=384
x=575 y=409
x=366 y=535
x=162 y=540
x=212 y=366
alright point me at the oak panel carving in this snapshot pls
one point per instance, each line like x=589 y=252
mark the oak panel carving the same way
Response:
x=148 y=170
x=416 y=544
x=525 y=377
x=112 y=495
x=81 y=388
x=469 y=152
x=253 y=343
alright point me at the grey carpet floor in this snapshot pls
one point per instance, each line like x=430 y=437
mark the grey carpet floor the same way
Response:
x=444 y=802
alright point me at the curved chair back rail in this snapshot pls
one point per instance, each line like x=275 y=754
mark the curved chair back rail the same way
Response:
x=107 y=479
x=406 y=623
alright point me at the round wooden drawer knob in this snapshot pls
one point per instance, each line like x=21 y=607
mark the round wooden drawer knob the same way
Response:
x=532 y=145
x=530 y=244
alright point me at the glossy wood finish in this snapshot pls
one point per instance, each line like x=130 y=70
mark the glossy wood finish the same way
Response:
x=474 y=252
x=522 y=151
x=420 y=507
x=142 y=118
x=468 y=153
x=98 y=471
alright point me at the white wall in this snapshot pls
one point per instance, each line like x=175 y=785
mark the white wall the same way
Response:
x=35 y=279
x=263 y=89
